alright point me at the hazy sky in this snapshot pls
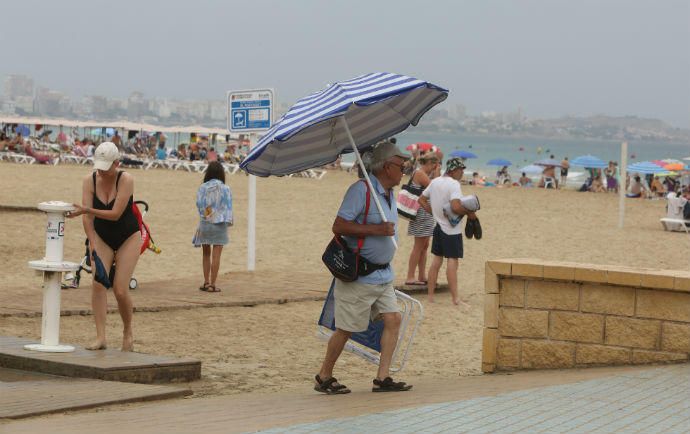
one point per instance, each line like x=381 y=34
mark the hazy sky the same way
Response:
x=550 y=57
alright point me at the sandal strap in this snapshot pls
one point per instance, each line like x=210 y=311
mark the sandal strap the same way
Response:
x=330 y=383
x=388 y=383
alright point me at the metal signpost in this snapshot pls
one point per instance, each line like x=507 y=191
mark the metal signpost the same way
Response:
x=250 y=111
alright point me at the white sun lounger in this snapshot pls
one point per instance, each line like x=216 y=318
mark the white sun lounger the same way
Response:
x=677 y=225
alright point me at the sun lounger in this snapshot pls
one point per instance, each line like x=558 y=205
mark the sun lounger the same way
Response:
x=231 y=168
x=368 y=344
x=675 y=225
x=71 y=158
x=22 y=158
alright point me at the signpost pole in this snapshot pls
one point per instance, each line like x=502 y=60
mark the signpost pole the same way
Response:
x=621 y=184
x=251 y=214
x=250 y=111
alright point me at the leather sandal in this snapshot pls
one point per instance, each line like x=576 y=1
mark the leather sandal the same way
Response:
x=330 y=386
x=388 y=385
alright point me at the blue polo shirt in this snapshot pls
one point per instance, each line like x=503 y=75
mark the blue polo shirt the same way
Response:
x=379 y=250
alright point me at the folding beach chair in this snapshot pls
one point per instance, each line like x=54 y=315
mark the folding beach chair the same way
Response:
x=367 y=344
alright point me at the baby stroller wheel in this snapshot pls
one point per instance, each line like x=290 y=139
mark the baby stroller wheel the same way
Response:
x=133 y=283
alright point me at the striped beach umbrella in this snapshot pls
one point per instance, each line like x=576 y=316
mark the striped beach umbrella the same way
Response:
x=646 y=168
x=347 y=114
x=589 y=162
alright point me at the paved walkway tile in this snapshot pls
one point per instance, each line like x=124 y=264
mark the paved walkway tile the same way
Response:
x=652 y=401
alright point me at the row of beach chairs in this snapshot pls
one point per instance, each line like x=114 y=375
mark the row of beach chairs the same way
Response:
x=17 y=158
x=146 y=164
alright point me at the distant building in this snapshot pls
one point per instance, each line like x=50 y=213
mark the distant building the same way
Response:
x=50 y=102
x=18 y=86
x=137 y=106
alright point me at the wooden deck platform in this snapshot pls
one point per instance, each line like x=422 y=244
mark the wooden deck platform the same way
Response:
x=28 y=394
x=238 y=289
x=111 y=365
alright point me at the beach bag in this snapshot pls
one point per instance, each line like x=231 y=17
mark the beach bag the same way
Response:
x=343 y=263
x=196 y=239
x=408 y=200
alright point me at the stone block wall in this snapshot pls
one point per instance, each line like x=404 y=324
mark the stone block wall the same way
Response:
x=540 y=314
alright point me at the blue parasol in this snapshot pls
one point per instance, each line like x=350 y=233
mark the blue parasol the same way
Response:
x=462 y=154
x=589 y=162
x=499 y=162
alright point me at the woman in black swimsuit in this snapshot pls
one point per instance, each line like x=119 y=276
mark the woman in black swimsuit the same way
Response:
x=113 y=233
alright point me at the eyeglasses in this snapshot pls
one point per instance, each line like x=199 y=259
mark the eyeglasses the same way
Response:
x=400 y=166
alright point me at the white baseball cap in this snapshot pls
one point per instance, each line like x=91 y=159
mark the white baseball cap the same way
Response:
x=104 y=156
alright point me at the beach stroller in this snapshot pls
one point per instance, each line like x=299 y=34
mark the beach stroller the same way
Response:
x=367 y=344
x=72 y=280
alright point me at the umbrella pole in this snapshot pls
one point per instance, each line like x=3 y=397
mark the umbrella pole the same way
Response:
x=366 y=175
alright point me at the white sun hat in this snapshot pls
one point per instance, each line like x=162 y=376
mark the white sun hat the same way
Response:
x=104 y=156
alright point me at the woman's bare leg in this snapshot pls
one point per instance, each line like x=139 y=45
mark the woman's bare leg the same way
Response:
x=413 y=262
x=215 y=263
x=99 y=299
x=126 y=259
x=206 y=261
x=422 y=259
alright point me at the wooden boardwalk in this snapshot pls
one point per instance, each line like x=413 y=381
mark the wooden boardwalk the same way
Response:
x=24 y=395
x=238 y=289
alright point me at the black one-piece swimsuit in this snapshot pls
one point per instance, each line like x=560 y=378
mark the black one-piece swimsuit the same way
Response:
x=114 y=233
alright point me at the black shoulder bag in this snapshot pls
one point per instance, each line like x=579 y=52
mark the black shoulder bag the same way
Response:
x=343 y=263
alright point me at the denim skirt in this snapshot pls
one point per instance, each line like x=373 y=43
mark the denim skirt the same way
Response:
x=215 y=234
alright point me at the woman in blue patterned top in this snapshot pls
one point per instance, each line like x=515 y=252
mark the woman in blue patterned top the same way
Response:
x=214 y=203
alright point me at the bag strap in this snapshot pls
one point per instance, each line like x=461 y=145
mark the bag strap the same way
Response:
x=411 y=177
x=360 y=241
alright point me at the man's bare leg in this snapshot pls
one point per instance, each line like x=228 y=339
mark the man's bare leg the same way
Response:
x=433 y=276
x=452 y=276
x=389 y=340
x=335 y=347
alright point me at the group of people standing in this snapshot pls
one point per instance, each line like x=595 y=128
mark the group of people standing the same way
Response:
x=113 y=233
x=431 y=223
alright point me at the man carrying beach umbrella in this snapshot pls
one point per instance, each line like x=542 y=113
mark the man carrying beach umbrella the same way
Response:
x=349 y=116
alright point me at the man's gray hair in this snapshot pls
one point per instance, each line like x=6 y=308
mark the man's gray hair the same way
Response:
x=380 y=154
x=376 y=165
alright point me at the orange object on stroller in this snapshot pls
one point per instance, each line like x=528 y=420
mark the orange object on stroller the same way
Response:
x=147 y=243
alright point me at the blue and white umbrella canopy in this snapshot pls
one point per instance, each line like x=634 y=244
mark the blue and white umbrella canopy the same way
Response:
x=499 y=162
x=462 y=154
x=589 y=161
x=532 y=169
x=315 y=131
x=548 y=162
x=646 y=168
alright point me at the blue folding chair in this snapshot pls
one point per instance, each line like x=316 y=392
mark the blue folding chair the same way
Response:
x=367 y=344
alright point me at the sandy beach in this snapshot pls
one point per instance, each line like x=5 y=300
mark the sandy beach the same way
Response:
x=272 y=347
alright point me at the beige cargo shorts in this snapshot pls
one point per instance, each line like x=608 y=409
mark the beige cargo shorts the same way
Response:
x=357 y=303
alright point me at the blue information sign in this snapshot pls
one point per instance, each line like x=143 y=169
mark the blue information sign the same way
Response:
x=250 y=110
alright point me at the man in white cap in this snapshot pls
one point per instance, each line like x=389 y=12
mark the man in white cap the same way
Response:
x=372 y=295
